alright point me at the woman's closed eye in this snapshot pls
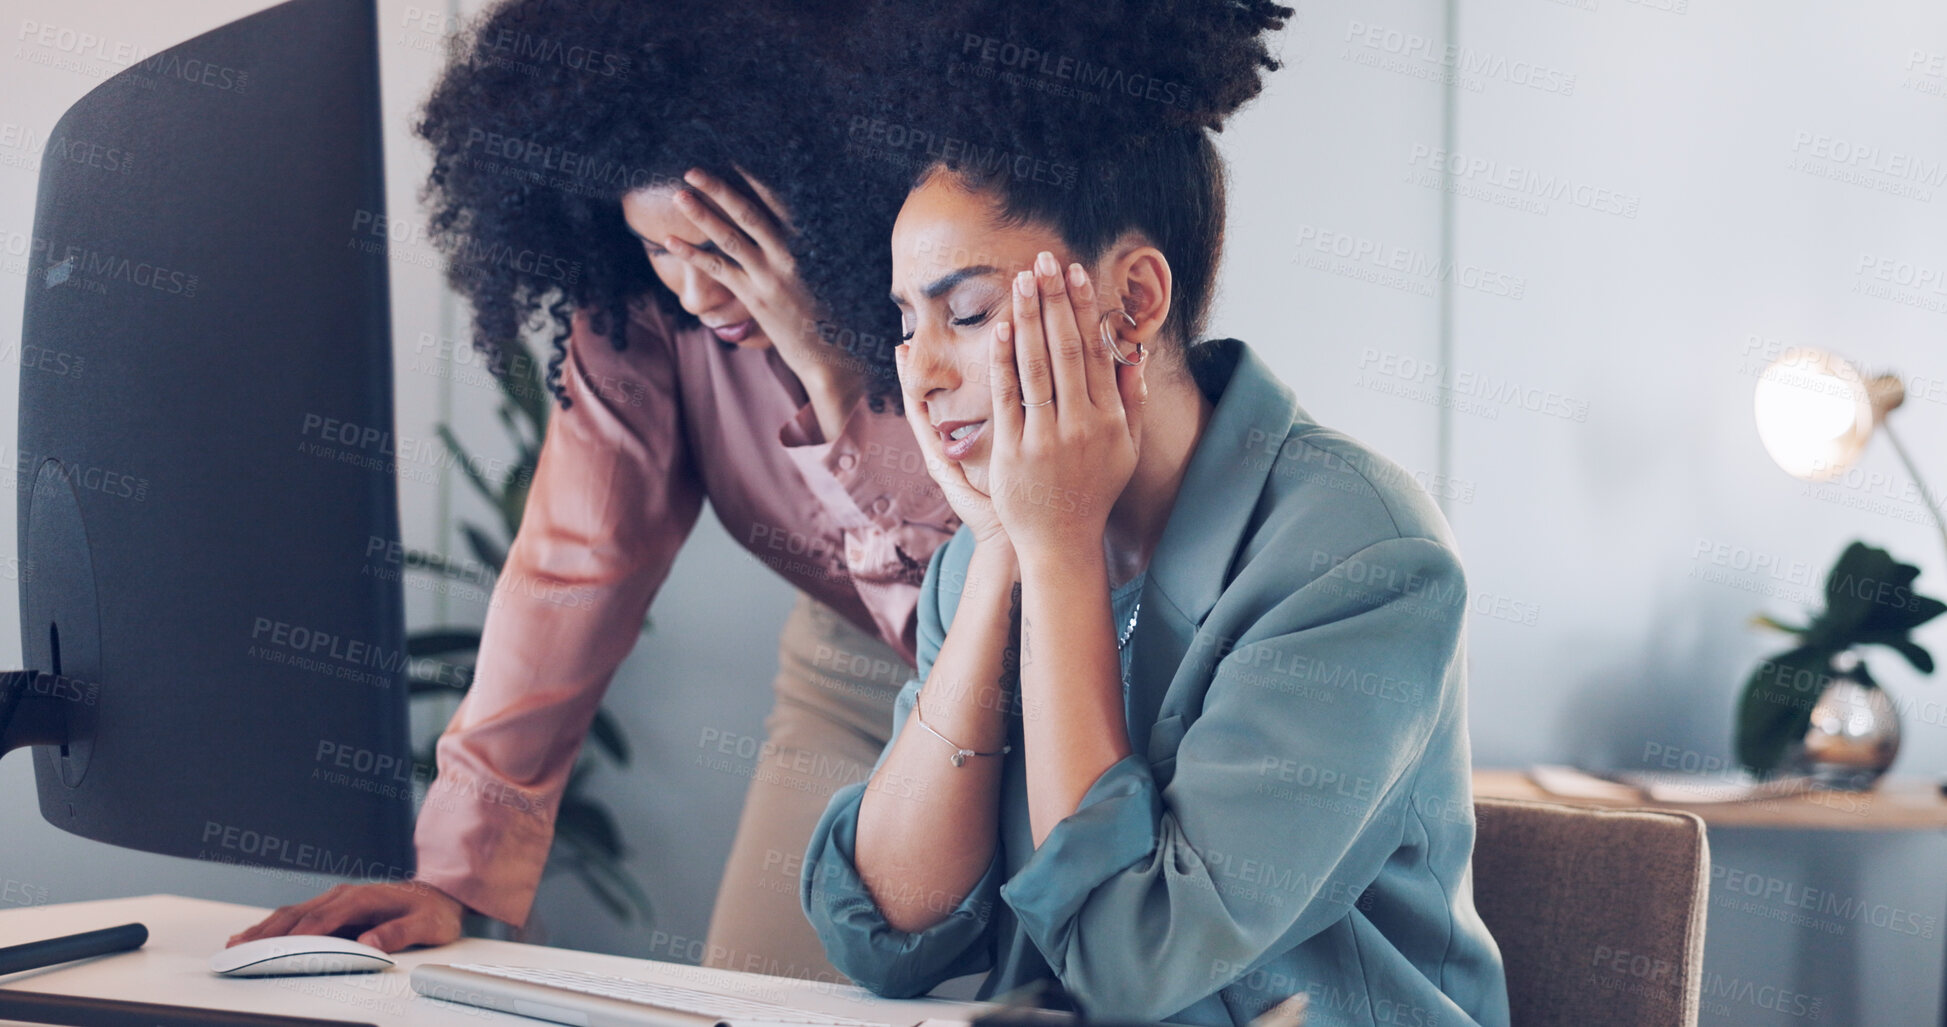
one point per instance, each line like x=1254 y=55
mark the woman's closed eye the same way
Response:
x=969 y=321
x=707 y=246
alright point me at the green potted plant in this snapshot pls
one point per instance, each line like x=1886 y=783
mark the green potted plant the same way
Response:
x=1814 y=708
x=586 y=841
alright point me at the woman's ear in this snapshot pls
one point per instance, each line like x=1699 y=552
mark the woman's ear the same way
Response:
x=1139 y=276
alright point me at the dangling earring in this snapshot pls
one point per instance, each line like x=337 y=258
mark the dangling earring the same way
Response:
x=1109 y=339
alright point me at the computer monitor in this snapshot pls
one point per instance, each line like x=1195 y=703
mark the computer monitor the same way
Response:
x=212 y=630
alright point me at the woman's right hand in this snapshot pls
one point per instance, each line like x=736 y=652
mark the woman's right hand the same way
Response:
x=390 y=916
x=972 y=506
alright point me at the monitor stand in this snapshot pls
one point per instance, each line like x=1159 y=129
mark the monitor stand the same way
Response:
x=31 y=710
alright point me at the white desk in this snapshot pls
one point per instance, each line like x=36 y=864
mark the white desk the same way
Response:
x=173 y=968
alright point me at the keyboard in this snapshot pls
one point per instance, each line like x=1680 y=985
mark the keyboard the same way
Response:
x=694 y=1007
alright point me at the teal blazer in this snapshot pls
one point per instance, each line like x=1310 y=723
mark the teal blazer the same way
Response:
x=1296 y=814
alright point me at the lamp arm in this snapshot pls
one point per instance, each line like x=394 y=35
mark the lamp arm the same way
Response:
x=1926 y=494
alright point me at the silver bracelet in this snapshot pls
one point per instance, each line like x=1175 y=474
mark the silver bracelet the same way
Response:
x=960 y=752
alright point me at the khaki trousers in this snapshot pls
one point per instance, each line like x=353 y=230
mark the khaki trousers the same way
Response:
x=835 y=689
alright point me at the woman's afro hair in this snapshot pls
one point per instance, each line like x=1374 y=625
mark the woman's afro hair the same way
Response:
x=1094 y=118
x=549 y=111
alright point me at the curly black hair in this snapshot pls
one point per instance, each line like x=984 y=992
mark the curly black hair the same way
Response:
x=549 y=111
x=1093 y=118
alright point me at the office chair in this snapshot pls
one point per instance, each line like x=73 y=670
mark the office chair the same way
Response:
x=1599 y=913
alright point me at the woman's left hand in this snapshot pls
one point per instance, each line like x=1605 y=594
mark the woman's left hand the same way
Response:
x=754 y=261
x=1066 y=420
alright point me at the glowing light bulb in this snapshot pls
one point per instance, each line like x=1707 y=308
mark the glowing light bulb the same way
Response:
x=1814 y=413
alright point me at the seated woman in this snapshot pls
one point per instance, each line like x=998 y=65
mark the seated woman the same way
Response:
x=1188 y=734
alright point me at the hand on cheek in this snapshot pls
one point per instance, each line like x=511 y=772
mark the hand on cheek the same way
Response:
x=1064 y=445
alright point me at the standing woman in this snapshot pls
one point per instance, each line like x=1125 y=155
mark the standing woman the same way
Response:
x=1188 y=733
x=600 y=169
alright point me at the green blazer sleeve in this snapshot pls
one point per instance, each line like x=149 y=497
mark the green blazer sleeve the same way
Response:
x=1279 y=811
x=857 y=939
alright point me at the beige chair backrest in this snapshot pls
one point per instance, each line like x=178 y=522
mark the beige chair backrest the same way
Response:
x=1599 y=913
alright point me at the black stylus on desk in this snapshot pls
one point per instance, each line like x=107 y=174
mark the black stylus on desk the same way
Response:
x=84 y=1011
x=36 y=954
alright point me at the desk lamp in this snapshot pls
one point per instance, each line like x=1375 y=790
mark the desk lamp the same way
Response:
x=1816 y=413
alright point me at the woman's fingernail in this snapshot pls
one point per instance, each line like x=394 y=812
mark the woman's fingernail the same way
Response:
x=1024 y=283
x=1045 y=263
x=1004 y=331
x=1076 y=276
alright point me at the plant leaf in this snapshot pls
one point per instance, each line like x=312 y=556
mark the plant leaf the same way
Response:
x=1897 y=641
x=523 y=387
x=448 y=640
x=608 y=735
x=460 y=456
x=420 y=560
x=1775 y=707
x=485 y=549
x=1869 y=596
x=1923 y=609
x=513 y=493
x=1869 y=589
x=590 y=822
x=598 y=888
x=1765 y=620
x=1844 y=609
x=604 y=877
x=422 y=680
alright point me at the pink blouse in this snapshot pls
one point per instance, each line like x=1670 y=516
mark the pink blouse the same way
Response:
x=653 y=431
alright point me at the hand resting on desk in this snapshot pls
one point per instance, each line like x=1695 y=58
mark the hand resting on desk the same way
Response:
x=390 y=916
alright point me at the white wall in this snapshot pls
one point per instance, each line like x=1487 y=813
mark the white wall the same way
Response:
x=1314 y=174
x=1703 y=235
x=1708 y=118
x=1603 y=632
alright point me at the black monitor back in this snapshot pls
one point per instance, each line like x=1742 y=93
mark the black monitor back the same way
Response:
x=207 y=493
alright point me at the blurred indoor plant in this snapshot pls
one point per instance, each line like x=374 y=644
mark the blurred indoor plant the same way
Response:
x=1814 y=709
x=586 y=842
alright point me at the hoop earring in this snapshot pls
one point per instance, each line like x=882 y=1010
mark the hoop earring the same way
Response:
x=1109 y=339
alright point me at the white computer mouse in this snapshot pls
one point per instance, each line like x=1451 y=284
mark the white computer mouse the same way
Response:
x=298 y=954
